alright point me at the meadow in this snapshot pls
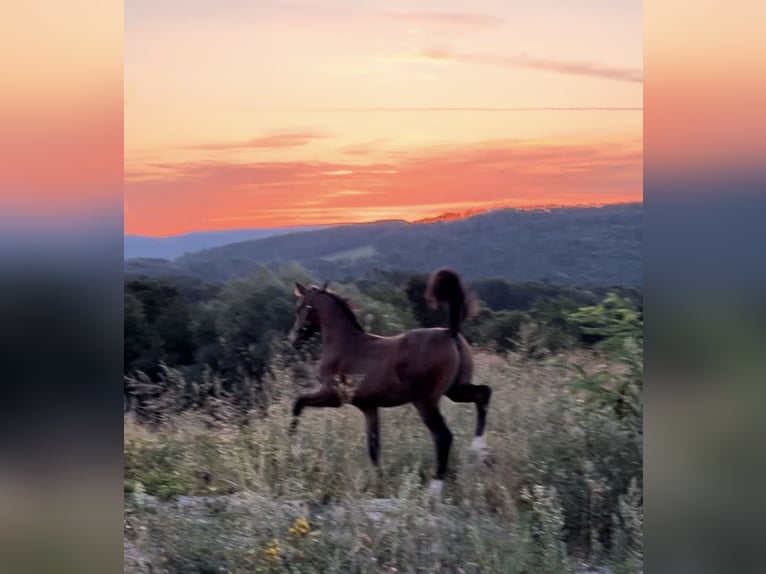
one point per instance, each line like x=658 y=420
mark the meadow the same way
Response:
x=560 y=490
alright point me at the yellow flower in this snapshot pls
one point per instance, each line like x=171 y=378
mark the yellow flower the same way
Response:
x=300 y=527
x=272 y=550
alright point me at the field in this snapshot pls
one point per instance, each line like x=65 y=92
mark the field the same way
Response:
x=560 y=490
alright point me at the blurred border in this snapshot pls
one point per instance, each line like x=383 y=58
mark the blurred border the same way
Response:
x=61 y=285
x=704 y=178
x=61 y=148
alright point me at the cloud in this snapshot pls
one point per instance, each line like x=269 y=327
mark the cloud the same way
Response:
x=410 y=185
x=454 y=19
x=367 y=147
x=364 y=148
x=348 y=193
x=281 y=140
x=573 y=68
x=438 y=54
x=338 y=172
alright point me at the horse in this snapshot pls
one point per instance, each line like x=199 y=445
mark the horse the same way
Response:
x=372 y=372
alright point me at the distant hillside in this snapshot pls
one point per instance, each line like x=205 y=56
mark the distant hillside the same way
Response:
x=578 y=246
x=176 y=245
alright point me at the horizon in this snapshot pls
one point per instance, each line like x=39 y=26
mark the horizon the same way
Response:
x=435 y=219
x=282 y=115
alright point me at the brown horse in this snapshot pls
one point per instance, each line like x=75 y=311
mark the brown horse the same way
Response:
x=369 y=371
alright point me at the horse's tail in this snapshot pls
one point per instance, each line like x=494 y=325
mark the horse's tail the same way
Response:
x=446 y=287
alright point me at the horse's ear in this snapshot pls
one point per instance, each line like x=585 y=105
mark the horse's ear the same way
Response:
x=300 y=290
x=325 y=286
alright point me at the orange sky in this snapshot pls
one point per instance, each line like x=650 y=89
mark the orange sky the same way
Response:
x=61 y=122
x=275 y=113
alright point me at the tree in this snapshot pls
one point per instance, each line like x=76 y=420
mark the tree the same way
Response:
x=137 y=333
x=157 y=326
x=607 y=323
x=251 y=316
x=503 y=329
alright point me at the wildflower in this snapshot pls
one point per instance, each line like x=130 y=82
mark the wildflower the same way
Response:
x=272 y=551
x=300 y=527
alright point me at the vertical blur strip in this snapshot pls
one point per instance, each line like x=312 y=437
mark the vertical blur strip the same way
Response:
x=61 y=168
x=705 y=274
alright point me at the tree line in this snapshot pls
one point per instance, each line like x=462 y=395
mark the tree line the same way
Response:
x=219 y=341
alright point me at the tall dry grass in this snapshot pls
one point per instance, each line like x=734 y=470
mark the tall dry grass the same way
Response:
x=561 y=485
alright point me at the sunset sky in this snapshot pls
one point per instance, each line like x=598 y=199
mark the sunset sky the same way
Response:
x=269 y=113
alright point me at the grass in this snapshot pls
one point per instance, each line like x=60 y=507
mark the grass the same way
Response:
x=555 y=491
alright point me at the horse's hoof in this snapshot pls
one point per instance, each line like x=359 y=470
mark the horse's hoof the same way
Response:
x=435 y=488
x=479 y=447
x=478 y=444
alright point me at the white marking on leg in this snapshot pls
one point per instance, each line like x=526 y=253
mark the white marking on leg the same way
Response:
x=296 y=450
x=478 y=444
x=436 y=487
x=436 y=544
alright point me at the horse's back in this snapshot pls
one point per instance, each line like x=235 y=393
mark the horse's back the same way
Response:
x=410 y=366
x=431 y=354
x=424 y=349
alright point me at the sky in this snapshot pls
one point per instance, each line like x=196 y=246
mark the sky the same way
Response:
x=244 y=114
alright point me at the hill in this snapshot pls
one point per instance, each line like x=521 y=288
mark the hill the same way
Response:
x=568 y=245
x=170 y=247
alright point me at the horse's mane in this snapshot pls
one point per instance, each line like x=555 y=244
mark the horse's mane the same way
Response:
x=346 y=308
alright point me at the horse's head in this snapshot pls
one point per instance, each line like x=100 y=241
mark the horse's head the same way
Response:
x=306 y=316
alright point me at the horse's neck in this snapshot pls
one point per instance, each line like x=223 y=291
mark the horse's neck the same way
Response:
x=337 y=329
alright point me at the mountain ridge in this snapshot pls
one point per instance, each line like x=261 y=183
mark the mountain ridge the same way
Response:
x=172 y=246
x=575 y=245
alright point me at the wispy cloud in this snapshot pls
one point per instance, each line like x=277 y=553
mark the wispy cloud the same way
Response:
x=364 y=148
x=436 y=55
x=348 y=193
x=272 y=141
x=590 y=69
x=196 y=195
x=461 y=19
x=339 y=172
x=418 y=109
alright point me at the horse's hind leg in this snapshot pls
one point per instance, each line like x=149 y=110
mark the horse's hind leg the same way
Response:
x=442 y=436
x=480 y=395
x=373 y=435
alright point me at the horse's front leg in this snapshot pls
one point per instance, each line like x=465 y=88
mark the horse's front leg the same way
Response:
x=325 y=396
x=429 y=412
